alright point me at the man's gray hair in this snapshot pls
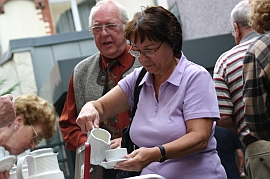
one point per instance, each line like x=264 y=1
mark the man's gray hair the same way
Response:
x=123 y=14
x=239 y=14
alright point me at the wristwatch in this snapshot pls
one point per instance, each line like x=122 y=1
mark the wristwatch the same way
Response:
x=163 y=154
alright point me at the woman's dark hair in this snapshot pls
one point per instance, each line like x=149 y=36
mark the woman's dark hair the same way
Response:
x=157 y=24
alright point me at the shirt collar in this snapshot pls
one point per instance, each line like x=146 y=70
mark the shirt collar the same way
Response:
x=178 y=72
x=249 y=36
x=122 y=59
x=175 y=77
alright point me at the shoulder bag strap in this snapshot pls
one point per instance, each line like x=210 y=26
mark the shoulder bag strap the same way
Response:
x=137 y=92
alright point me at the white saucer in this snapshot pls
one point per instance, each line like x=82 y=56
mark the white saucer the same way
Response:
x=7 y=163
x=111 y=164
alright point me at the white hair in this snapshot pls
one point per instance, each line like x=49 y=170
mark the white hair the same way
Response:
x=123 y=14
x=239 y=14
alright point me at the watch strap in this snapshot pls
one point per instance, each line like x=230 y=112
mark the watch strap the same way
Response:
x=163 y=154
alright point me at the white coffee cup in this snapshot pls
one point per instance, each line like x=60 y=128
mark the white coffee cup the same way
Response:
x=115 y=154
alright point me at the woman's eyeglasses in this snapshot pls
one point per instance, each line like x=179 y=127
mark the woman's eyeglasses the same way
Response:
x=36 y=138
x=148 y=52
x=109 y=28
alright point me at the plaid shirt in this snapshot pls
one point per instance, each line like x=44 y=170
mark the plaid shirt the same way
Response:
x=256 y=74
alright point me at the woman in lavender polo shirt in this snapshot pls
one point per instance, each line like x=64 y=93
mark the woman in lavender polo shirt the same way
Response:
x=174 y=121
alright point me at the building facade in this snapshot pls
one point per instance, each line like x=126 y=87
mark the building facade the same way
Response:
x=42 y=40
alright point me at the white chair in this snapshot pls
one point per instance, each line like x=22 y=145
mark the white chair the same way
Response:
x=148 y=176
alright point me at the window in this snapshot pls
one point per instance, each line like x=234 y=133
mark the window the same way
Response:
x=70 y=15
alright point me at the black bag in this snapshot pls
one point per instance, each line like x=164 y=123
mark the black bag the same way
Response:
x=126 y=141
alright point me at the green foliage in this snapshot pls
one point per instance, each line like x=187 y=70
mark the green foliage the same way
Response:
x=2 y=81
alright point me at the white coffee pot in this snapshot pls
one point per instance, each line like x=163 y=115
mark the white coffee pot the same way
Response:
x=99 y=140
x=42 y=164
x=13 y=174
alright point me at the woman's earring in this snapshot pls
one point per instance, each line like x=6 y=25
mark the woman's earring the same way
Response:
x=15 y=127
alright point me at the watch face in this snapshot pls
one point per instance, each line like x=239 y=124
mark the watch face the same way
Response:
x=162 y=159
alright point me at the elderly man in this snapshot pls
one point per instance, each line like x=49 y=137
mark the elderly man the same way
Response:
x=96 y=75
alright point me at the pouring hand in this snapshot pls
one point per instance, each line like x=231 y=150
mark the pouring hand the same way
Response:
x=116 y=143
x=88 y=117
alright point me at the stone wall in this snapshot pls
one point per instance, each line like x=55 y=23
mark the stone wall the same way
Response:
x=204 y=18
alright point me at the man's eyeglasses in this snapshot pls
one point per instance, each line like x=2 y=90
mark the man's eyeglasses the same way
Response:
x=36 y=138
x=148 y=52
x=232 y=31
x=110 y=28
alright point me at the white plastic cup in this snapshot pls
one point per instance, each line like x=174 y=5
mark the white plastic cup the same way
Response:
x=115 y=154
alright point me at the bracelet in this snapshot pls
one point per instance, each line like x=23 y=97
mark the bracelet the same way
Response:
x=163 y=154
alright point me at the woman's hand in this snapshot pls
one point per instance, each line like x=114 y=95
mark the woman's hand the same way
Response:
x=93 y=112
x=139 y=159
x=4 y=175
x=116 y=143
x=88 y=117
